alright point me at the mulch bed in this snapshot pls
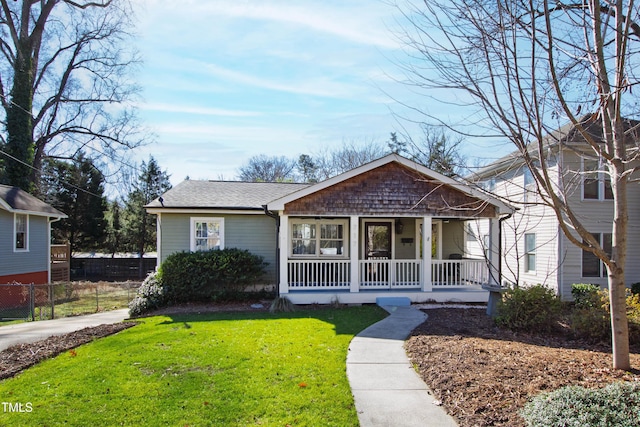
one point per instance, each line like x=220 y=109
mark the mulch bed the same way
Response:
x=484 y=375
x=21 y=356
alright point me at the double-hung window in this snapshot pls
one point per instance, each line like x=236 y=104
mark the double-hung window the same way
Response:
x=530 y=252
x=596 y=183
x=591 y=264
x=21 y=232
x=207 y=234
x=318 y=237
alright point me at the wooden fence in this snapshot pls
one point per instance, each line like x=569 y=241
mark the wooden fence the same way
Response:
x=60 y=263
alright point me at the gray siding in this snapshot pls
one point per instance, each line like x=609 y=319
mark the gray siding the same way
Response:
x=596 y=216
x=33 y=260
x=559 y=262
x=255 y=233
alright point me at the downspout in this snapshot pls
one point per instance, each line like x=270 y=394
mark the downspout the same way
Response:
x=500 y=221
x=276 y=217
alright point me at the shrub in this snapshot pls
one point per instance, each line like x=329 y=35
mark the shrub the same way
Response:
x=529 y=309
x=150 y=296
x=585 y=295
x=617 y=404
x=209 y=275
x=635 y=288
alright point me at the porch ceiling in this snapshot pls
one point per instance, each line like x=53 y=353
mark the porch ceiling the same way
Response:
x=391 y=189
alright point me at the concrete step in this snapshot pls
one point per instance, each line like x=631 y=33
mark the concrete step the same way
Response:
x=393 y=301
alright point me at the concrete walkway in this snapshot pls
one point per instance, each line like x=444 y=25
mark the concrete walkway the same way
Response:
x=386 y=388
x=29 y=332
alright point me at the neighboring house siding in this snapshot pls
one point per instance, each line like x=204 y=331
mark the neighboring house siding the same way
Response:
x=596 y=216
x=255 y=233
x=31 y=261
x=558 y=261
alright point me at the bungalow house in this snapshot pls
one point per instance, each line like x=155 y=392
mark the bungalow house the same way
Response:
x=25 y=237
x=534 y=248
x=386 y=229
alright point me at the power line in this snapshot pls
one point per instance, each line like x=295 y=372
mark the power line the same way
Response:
x=43 y=173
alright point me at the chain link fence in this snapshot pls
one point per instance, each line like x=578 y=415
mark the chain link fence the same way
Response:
x=63 y=299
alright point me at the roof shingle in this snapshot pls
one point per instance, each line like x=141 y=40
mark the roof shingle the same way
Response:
x=224 y=194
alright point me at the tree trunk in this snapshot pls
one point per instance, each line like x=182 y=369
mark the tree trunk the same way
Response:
x=19 y=122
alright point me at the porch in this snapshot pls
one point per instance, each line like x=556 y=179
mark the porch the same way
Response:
x=359 y=259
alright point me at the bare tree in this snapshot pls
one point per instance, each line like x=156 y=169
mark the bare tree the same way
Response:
x=264 y=168
x=350 y=155
x=519 y=67
x=64 y=84
x=438 y=150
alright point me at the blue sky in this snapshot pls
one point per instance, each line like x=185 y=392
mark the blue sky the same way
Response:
x=226 y=80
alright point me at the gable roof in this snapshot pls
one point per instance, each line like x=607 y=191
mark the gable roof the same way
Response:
x=14 y=199
x=567 y=135
x=279 y=204
x=231 y=195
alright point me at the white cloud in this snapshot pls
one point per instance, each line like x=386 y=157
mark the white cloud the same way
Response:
x=204 y=111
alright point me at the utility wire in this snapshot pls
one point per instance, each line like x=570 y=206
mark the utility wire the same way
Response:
x=43 y=173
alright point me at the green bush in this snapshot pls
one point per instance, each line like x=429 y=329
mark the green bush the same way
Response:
x=635 y=288
x=150 y=296
x=536 y=308
x=585 y=295
x=617 y=404
x=209 y=275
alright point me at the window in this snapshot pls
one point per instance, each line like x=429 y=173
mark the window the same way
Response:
x=596 y=183
x=591 y=264
x=529 y=184
x=311 y=237
x=21 y=227
x=530 y=252
x=207 y=234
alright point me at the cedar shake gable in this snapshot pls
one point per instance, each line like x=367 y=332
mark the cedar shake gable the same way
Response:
x=391 y=189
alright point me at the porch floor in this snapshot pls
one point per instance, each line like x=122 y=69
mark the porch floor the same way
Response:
x=469 y=293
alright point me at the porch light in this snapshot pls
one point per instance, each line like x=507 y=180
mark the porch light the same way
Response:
x=399 y=226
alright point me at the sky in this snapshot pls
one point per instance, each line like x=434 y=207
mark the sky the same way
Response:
x=225 y=80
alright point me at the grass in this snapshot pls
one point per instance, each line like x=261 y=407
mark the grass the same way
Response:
x=73 y=299
x=232 y=369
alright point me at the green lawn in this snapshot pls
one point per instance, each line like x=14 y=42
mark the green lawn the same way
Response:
x=221 y=369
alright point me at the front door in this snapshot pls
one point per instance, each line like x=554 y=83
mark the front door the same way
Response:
x=377 y=240
x=377 y=250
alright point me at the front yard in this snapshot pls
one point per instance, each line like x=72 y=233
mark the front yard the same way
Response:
x=209 y=369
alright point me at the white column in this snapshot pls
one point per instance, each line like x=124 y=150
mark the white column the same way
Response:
x=284 y=254
x=158 y=239
x=494 y=255
x=427 y=286
x=354 y=248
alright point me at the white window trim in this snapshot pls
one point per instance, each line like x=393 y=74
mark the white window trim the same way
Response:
x=345 y=237
x=26 y=233
x=192 y=230
x=601 y=182
x=533 y=252
x=603 y=268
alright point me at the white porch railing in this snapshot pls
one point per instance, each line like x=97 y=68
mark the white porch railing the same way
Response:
x=384 y=274
x=319 y=274
x=465 y=272
x=390 y=274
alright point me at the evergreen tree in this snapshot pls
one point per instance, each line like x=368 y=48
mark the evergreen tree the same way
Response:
x=140 y=227
x=77 y=189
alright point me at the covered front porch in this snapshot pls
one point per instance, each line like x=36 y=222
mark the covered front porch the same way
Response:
x=389 y=228
x=359 y=259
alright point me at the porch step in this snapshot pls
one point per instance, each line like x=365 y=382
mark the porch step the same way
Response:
x=393 y=301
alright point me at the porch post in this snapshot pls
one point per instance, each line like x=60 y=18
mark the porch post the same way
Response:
x=427 y=285
x=284 y=254
x=354 y=256
x=494 y=254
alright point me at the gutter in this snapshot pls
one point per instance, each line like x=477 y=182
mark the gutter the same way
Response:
x=276 y=217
